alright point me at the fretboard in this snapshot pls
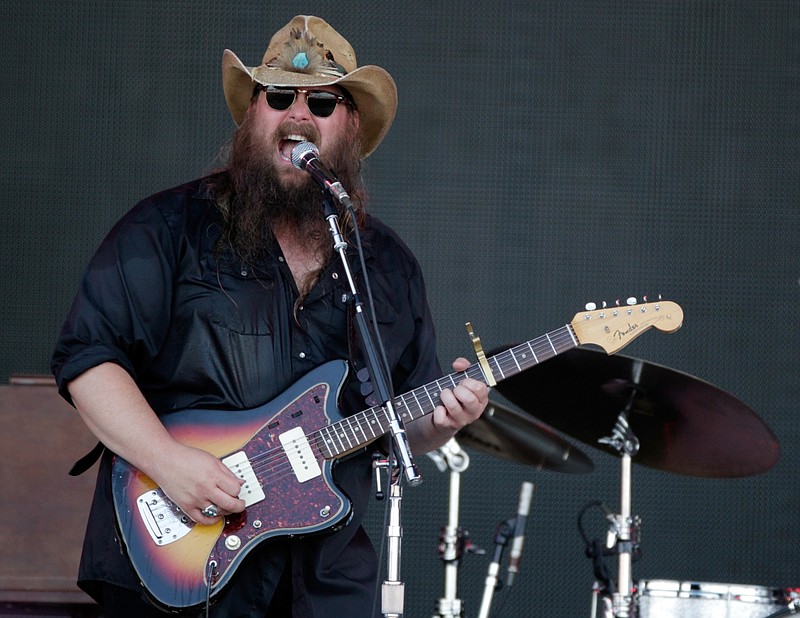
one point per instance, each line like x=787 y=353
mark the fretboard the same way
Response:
x=360 y=429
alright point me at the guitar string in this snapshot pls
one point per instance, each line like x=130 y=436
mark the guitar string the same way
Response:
x=281 y=463
x=507 y=362
x=347 y=423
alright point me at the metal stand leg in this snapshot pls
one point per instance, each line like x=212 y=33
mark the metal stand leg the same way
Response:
x=393 y=590
x=624 y=525
x=453 y=541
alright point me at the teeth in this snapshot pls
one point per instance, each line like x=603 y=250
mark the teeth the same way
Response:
x=287 y=145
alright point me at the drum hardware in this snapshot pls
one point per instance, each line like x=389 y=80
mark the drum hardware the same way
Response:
x=598 y=550
x=453 y=540
x=668 y=420
x=792 y=608
x=516 y=436
x=625 y=442
x=667 y=599
x=683 y=424
x=507 y=434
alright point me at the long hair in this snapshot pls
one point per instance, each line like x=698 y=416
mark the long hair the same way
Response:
x=252 y=200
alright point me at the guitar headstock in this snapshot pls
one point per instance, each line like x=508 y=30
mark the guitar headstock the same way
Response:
x=612 y=328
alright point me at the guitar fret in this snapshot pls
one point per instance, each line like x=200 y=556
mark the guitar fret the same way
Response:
x=474 y=372
x=416 y=399
x=572 y=336
x=535 y=358
x=502 y=373
x=375 y=420
x=403 y=409
x=317 y=441
x=358 y=421
x=428 y=395
x=551 y=344
x=339 y=438
x=329 y=441
x=350 y=427
x=388 y=419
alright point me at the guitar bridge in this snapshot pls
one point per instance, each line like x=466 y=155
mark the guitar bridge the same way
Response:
x=164 y=520
x=167 y=523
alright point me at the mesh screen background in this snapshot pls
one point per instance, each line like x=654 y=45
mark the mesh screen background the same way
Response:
x=544 y=155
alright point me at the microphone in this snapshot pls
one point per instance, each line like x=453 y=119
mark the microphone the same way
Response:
x=514 y=557
x=305 y=156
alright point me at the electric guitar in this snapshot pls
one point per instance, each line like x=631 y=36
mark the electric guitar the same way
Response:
x=285 y=450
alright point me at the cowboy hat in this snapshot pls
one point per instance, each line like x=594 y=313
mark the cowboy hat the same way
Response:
x=309 y=52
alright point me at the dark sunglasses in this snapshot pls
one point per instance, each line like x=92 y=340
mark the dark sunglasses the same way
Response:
x=320 y=102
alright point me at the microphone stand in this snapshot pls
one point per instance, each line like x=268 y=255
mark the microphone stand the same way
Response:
x=504 y=532
x=393 y=588
x=381 y=381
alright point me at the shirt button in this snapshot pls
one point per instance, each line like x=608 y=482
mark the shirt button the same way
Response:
x=280 y=258
x=335 y=275
x=302 y=355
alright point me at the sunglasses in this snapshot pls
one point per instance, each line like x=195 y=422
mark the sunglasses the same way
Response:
x=320 y=102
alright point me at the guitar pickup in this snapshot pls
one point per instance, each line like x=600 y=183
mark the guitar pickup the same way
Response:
x=301 y=457
x=251 y=492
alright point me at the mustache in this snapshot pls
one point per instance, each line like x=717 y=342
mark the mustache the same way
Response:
x=294 y=129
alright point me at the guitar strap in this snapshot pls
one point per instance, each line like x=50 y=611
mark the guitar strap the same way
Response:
x=87 y=461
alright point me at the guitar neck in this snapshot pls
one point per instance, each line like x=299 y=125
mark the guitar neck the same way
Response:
x=354 y=432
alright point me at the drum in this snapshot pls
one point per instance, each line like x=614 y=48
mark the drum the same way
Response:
x=660 y=598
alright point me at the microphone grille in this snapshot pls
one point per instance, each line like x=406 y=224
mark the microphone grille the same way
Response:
x=300 y=151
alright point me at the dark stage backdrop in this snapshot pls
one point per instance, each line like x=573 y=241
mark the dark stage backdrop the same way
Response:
x=545 y=154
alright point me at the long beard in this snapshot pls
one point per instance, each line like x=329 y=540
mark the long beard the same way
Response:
x=261 y=201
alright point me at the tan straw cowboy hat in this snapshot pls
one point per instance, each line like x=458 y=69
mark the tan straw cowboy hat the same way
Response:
x=309 y=52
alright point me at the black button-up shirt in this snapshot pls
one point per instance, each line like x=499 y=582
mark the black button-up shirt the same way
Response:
x=195 y=331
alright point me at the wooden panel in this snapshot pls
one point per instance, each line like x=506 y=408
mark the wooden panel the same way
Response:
x=43 y=510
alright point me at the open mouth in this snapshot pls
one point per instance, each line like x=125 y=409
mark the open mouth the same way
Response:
x=287 y=144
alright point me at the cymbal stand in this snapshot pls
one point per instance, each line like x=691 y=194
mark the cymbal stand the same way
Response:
x=623 y=528
x=453 y=540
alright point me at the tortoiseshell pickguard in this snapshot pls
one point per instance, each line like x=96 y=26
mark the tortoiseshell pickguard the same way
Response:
x=175 y=574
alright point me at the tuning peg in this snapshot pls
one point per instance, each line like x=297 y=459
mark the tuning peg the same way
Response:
x=591 y=306
x=605 y=304
x=631 y=301
x=644 y=299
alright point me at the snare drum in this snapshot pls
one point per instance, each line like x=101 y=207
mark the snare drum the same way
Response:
x=660 y=598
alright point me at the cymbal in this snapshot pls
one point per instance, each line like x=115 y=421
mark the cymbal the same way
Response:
x=515 y=436
x=684 y=425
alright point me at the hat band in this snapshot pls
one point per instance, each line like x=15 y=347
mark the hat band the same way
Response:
x=300 y=63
